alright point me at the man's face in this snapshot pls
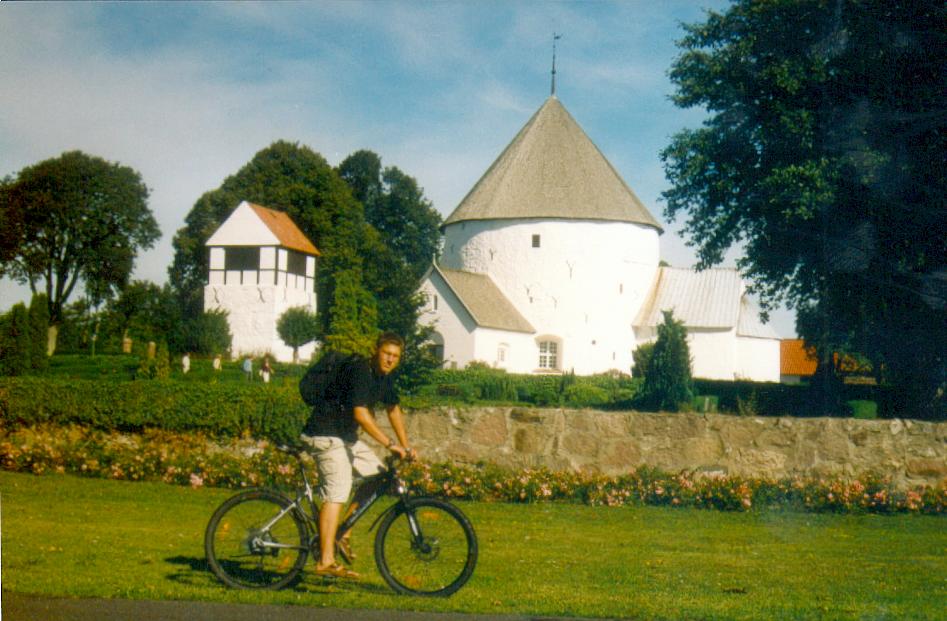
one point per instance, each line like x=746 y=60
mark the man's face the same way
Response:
x=387 y=358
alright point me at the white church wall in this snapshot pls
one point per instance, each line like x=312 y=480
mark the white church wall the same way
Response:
x=758 y=359
x=450 y=320
x=583 y=283
x=713 y=352
x=515 y=352
x=253 y=311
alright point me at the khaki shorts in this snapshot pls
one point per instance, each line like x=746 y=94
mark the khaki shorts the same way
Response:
x=337 y=461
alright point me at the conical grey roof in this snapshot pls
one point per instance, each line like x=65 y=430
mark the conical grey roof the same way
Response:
x=552 y=169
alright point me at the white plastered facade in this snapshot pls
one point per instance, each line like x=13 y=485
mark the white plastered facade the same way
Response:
x=255 y=298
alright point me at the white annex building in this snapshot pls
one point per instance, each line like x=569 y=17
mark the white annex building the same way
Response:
x=261 y=264
x=551 y=264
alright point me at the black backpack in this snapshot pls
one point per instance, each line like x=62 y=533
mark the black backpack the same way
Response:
x=320 y=376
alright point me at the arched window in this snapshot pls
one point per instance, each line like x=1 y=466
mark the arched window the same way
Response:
x=550 y=353
x=436 y=346
x=502 y=350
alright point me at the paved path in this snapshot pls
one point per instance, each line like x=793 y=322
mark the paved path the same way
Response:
x=18 y=607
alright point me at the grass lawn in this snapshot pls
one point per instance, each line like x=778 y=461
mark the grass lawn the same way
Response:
x=70 y=536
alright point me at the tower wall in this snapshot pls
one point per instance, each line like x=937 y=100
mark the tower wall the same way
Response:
x=577 y=281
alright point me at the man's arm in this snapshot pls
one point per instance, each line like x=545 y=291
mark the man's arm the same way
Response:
x=366 y=420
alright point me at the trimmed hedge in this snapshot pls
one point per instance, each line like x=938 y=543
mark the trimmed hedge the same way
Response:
x=484 y=384
x=255 y=410
x=771 y=399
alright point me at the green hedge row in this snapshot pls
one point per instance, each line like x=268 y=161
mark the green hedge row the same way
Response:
x=771 y=399
x=484 y=384
x=258 y=410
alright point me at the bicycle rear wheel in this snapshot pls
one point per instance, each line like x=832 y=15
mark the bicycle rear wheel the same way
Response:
x=426 y=547
x=256 y=540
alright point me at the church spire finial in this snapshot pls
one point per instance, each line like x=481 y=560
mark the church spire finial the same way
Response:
x=555 y=37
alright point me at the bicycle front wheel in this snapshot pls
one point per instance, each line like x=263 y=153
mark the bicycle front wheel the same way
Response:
x=255 y=540
x=426 y=547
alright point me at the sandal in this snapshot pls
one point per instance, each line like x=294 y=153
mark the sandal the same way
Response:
x=337 y=571
x=344 y=546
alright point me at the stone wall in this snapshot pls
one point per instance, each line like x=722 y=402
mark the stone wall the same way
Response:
x=910 y=452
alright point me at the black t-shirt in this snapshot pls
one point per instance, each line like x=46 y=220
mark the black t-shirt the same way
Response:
x=357 y=384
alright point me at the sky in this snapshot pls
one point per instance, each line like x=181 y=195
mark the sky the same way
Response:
x=187 y=93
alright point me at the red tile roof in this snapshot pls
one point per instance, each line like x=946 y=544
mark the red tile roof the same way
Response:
x=285 y=229
x=795 y=359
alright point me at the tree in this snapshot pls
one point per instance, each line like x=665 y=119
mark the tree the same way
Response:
x=78 y=219
x=39 y=332
x=208 y=333
x=396 y=207
x=298 y=326
x=353 y=325
x=668 y=384
x=642 y=359
x=824 y=155
x=15 y=347
x=132 y=306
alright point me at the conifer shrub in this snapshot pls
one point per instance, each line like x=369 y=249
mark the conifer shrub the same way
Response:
x=15 y=341
x=668 y=384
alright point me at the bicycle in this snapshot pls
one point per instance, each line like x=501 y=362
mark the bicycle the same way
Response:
x=260 y=539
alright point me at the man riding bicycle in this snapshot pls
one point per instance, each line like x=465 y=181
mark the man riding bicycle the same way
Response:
x=332 y=435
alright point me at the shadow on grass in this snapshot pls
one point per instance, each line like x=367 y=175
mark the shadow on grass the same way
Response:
x=194 y=571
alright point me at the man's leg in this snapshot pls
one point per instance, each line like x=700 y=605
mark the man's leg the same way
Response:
x=367 y=465
x=335 y=484
x=328 y=526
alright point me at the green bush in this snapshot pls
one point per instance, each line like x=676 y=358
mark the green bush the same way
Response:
x=585 y=395
x=863 y=409
x=257 y=410
x=668 y=384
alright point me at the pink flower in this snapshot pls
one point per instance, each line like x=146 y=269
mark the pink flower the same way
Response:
x=196 y=480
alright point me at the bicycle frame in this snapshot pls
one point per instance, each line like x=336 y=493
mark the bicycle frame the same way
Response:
x=384 y=482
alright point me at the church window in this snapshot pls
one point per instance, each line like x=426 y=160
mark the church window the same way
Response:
x=242 y=258
x=435 y=302
x=548 y=355
x=535 y=241
x=501 y=354
x=621 y=288
x=296 y=263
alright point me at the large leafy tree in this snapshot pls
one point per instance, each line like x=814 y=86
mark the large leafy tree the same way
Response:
x=824 y=154
x=74 y=219
x=353 y=323
x=396 y=206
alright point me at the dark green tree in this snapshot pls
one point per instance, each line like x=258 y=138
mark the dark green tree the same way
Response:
x=39 y=332
x=16 y=344
x=298 y=326
x=81 y=220
x=396 y=206
x=667 y=384
x=132 y=306
x=353 y=325
x=642 y=359
x=824 y=154
x=207 y=334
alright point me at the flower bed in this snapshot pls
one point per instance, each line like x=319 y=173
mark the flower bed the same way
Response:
x=197 y=460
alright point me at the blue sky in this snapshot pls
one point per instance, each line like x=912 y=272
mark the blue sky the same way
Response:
x=186 y=93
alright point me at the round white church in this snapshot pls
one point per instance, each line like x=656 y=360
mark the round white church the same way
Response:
x=551 y=264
